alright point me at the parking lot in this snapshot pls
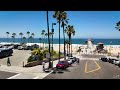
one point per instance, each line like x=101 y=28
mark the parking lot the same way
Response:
x=88 y=69
x=18 y=57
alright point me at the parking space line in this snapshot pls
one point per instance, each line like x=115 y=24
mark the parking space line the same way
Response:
x=92 y=70
x=14 y=76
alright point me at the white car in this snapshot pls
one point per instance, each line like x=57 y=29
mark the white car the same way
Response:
x=69 y=61
x=116 y=62
x=20 y=48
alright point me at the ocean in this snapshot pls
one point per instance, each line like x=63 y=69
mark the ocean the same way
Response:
x=74 y=41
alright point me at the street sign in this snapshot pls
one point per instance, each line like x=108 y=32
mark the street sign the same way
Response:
x=47 y=55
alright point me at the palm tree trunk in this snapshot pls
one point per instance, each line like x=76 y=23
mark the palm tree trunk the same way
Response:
x=64 y=44
x=67 y=49
x=21 y=38
x=48 y=40
x=59 y=37
x=71 y=46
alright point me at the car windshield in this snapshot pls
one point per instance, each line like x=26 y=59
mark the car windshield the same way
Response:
x=61 y=62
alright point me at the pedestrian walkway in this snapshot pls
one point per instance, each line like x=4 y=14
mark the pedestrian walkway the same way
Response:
x=35 y=72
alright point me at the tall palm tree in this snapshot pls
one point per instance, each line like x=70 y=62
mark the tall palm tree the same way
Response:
x=70 y=31
x=57 y=15
x=118 y=26
x=67 y=42
x=48 y=38
x=40 y=41
x=14 y=34
x=64 y=21
x=28 y=35
x=33 y=36
x=21 y=34
x=43 y=34
x=7 y=36
x=13 y=38
x=24 y=38
x=46 y=35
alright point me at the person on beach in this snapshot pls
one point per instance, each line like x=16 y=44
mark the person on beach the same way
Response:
x=8 y=62
x=43 y=63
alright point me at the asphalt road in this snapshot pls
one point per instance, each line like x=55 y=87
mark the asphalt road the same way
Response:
x=5 y=75
x=88 y=69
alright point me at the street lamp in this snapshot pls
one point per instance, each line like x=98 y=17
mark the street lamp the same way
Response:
x=52 y=30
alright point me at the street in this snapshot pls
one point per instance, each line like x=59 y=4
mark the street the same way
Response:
x=88 y=69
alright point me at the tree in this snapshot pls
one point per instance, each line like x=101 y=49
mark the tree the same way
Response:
x=48 y=38
x=57 y=15
x=67 y=42
x=43 y=34
x=33 y=36
x=118 y=26
x=21 y=34
x=70 y=31
x=28 y=35
x=40 y=41
x=46 y=35
x=64 y=21
x=7 y=35
x=13 y=36
x=24 y=38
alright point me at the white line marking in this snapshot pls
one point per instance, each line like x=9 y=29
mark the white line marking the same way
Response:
x=14 y=76
x=36 y=77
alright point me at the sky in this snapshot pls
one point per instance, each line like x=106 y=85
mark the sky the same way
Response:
x=87 y=24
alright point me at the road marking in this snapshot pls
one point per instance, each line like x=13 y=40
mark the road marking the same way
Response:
x=92 y=70
x=14 y=76
x=36 y=77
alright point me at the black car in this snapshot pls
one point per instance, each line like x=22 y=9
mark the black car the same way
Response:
x=104 y=59
x=111 y=60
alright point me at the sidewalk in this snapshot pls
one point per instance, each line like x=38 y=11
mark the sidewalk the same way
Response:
x=35 y=72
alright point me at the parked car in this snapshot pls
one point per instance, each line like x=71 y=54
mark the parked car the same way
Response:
x=104 y=59
x=20 y=47
x=62 y=65
x=69 y=61
x=116 y=62
x=71 y=58
x=110 y=60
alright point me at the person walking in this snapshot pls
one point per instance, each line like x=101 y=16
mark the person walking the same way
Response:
x=8 y=62
x=78 y=60
x=43 y=63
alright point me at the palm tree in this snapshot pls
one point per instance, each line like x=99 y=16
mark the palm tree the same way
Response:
x=118 y=26
x=24 y=38
x=33 y=36
x=67 y=42
x=7 y=35
x=57 y=15
x=40 y=41
x=70 y=31
x=64 y=21
x=43 y=34
x=46 y=35
x=28 y=35
x=21 y=34
x=13 y=36
x=48 y=39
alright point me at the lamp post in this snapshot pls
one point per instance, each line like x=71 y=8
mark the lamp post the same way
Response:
x=52 y=41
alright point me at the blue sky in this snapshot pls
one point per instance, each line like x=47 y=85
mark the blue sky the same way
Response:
x=87 y=24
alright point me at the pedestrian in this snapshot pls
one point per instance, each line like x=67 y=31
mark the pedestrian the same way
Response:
x=43 y=63
x=78 y=60
x=8 y=62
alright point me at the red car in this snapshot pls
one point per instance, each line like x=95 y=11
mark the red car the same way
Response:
x=62 y=65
